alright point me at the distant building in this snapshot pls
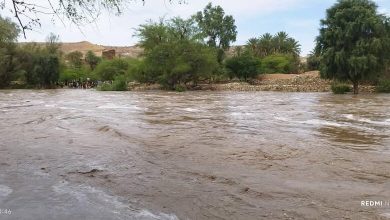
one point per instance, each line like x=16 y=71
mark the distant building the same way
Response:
x=108 y=54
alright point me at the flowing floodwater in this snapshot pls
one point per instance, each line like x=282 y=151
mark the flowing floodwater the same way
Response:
x=78 y=154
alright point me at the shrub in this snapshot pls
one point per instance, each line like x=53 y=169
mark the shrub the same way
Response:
x=175 y=63
x=243 y=66
x=109 y=69
x=313 y=62
x=340 y=88
x=180 y=88
x=70 y=73
x=279 y=63
x=383 y=86
x=75 y=58
x=105 y=87
x=119 y=84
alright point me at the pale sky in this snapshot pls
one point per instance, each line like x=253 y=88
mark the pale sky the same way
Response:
x=299 y=18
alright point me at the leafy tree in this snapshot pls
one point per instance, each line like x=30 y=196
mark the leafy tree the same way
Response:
x=218 y=29
x=278 y=63
x=180 y=62
x=92 y=59
x=243 y=65
x=9 y=31
x=75 y=59
x=353 y=42
x=173 y=53
x=152 y=34
x=184 y=29
x=110 y=69
x=53 y=44
x=39 y=66
x=47 y=69
x=8 y=52
x=313 y=61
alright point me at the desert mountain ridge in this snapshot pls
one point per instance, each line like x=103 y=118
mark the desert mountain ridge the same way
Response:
x=120 y=51
x=85 y=46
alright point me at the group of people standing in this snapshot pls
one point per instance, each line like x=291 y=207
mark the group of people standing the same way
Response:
x=80 y=84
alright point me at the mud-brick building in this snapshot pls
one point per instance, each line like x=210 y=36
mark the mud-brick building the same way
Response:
x=108 y=54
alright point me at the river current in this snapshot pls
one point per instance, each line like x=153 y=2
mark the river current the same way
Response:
x=84 y=154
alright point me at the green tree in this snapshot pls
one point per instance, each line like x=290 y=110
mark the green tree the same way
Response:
x=110 y=69
x=353 y=43
x=92 y=59
x=152 y=34
x=218 y=29
x=8 y=51
x=39 y=66
x=243 y=65
x=53 y=44
x=280 y=43
x=173 y=53
x=278 y=63
x=313 y=61
x=75 y=59
x=179 y=62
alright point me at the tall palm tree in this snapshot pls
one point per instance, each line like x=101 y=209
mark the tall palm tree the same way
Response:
x=279 y=41
x=266 y=44
x=253 y=44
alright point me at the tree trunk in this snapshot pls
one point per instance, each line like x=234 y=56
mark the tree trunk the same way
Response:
x=355 y=87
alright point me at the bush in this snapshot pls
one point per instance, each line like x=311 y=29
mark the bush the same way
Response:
x=279 y=63
x=109 y=69
x=175 y=63
x=180 y=88
x=70 y=73
x=243 y=66
x=340 y=88
x=105 y=87
x=313 y=62
x=383 y=86
x=119 y=84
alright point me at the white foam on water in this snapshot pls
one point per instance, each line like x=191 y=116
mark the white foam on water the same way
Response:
x=191 y=110
x=113 y=106
x=322 y=122
x=386 y=215
x=367 y=120
x=145 y=214
x=281 y=118
x=101 y=200
x=5 y=191
x=349 y=116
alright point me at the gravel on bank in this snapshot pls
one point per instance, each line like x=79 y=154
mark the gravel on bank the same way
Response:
x=305 y=82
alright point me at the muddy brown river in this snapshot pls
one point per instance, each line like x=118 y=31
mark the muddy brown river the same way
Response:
x=84 y=154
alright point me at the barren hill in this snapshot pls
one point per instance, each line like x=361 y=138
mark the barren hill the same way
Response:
x=85 y=46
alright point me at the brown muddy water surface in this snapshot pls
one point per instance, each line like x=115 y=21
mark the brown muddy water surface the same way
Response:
x=77 y=154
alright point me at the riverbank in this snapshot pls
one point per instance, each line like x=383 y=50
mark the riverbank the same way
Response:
x=305 y=82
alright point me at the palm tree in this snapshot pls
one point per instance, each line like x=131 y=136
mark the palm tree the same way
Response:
x=266 y=44
x=253 y=45
x=292 y=47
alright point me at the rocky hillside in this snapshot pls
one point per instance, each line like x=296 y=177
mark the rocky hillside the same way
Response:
x=85 y=46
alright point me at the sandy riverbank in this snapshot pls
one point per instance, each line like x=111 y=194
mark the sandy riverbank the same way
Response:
x=305 y=82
